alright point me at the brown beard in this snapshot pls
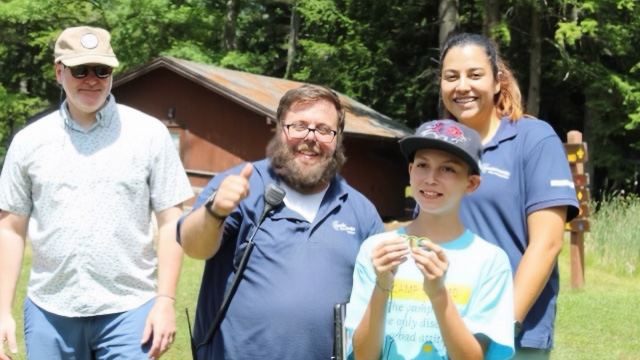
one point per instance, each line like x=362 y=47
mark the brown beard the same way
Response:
x=283 y=157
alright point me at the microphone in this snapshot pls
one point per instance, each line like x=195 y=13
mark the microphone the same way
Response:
x=273 y=196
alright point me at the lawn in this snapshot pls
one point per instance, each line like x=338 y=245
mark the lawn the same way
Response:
x=599 y=321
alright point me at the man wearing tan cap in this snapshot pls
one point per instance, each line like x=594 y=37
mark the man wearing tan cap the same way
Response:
x=82 y=183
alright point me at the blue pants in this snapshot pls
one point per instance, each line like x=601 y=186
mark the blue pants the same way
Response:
x=115 y=336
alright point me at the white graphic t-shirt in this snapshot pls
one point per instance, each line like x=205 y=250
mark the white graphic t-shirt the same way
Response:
x=479 y=280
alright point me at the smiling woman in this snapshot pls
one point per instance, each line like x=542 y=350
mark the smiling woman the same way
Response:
x=527 y=163
x=468 y=85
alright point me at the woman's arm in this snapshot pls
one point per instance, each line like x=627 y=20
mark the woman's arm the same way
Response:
x=545 y=232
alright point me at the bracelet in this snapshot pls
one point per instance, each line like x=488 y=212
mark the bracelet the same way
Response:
x=383 y=289
x=167 y=296
x=209 y=205
x=215 y=216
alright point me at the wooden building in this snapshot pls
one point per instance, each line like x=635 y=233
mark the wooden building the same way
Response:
x=220 y=118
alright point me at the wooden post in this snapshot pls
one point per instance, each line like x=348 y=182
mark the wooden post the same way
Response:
x=577 y=237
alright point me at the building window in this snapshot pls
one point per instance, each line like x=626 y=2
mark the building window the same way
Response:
x=175 y=136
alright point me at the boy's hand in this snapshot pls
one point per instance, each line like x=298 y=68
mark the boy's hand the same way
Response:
x=386 y=256
x=433 y=263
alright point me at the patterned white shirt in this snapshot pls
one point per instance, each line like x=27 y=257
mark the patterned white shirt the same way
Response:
x=89 y=195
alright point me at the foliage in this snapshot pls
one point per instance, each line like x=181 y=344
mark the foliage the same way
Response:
x=383 y=53
x=15 y=108
x=144 y=29
x=599 y=56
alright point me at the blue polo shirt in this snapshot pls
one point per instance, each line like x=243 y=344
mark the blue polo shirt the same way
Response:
x=297 y=272
x=524 y=169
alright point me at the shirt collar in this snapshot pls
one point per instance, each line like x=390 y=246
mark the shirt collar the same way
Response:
x=336 y=194
x=506 y=131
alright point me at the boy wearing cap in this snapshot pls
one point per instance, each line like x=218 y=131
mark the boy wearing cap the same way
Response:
x=433 y=289
x=83 y=182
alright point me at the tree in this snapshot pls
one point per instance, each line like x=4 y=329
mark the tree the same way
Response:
x=535 y=51
x=576 y=60
x=448 y=15
x=598 y=43
x=231 y=19
x=294 y=29
x=491 y=18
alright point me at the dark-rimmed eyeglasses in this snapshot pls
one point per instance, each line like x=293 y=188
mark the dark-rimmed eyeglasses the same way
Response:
x=300 y=131
x=81 y=71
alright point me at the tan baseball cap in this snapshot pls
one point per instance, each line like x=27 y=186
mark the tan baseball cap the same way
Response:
x=85 y=45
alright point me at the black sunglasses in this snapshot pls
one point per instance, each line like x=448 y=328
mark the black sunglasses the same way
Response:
x=81 y=71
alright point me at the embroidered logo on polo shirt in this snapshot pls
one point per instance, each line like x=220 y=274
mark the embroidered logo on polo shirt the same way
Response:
x=338 y=226
x=487 y=168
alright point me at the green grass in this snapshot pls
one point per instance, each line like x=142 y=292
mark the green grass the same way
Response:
x=186 y=299
x=613 y=242
x=599 y=321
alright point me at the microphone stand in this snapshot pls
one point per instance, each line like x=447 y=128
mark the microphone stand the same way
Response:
x=273 y=196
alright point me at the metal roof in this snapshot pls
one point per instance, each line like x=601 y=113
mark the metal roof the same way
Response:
x=262 y=94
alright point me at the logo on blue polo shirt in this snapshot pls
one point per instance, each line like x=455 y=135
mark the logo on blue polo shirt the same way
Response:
x=487 y=168
x=339 y=226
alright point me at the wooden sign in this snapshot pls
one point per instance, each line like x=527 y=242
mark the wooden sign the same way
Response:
x=581 y=179
x=583 y=194
x=584 y=211
x=576 y=153
x=578 y=225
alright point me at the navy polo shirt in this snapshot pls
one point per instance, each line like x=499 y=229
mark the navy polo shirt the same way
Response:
x=297 y=272
x=524 y=169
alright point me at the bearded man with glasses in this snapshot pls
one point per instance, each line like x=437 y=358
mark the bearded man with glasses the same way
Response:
x=305 y=249
x=83 y=183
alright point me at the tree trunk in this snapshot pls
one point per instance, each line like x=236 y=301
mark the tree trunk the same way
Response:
x=229 y=33
x=448 y=15
x=535 y=49
x=294 y=28
x=597 y=181
x=491 y=17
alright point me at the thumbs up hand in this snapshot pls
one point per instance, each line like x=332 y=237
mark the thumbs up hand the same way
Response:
x=232 y=190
